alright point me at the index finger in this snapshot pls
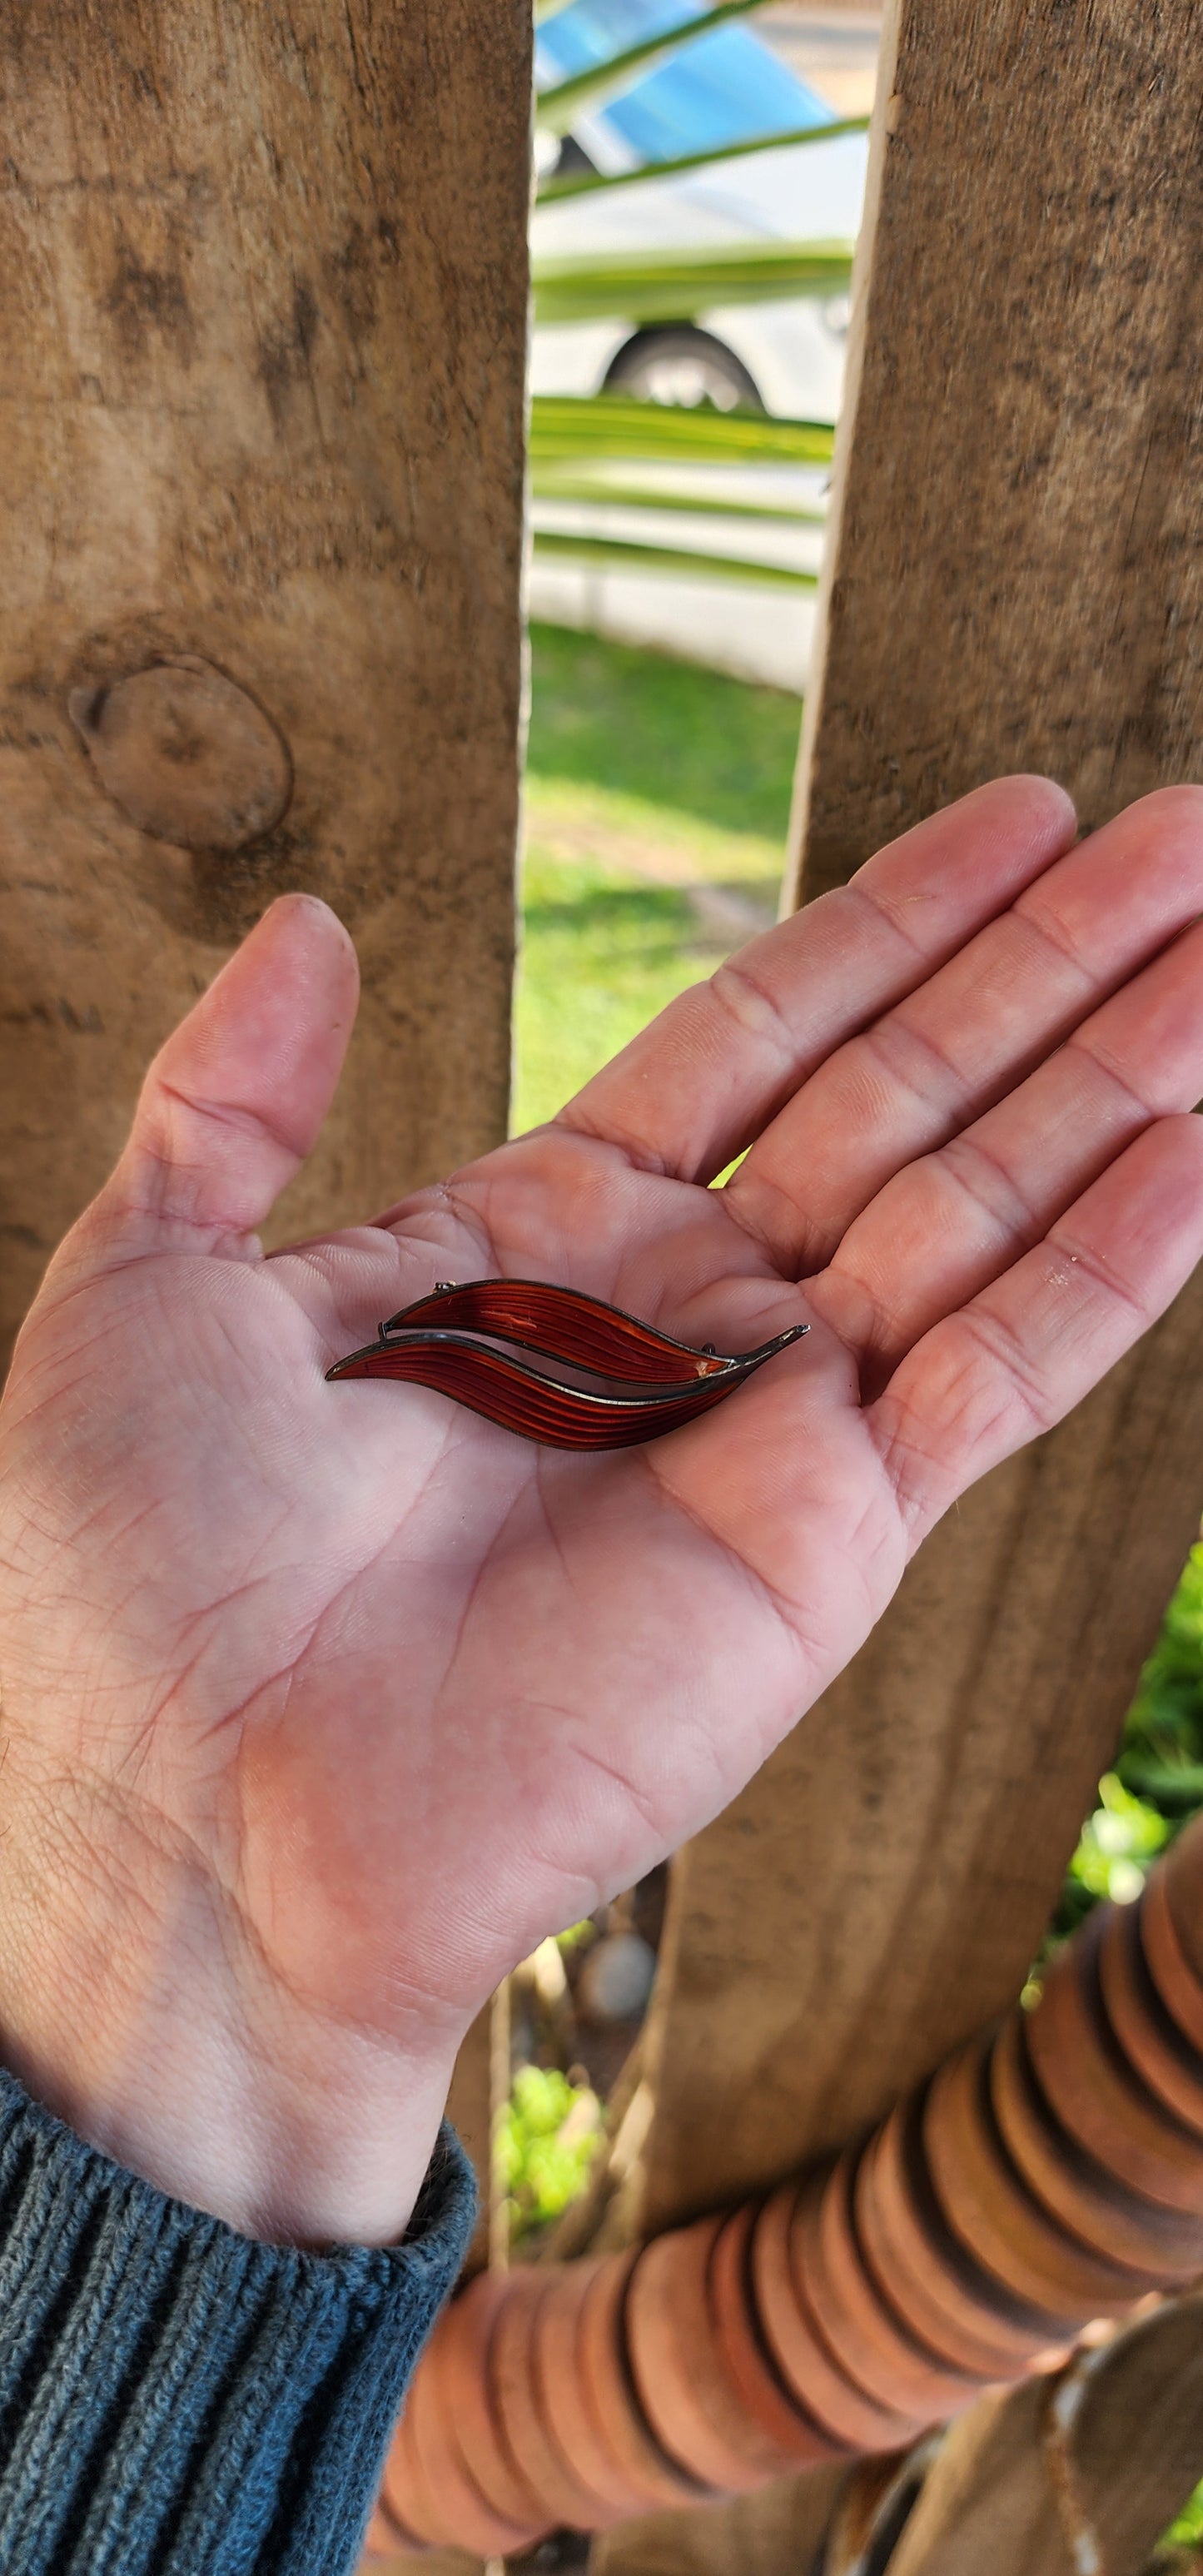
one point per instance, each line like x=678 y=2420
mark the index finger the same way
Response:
x=699 y=1085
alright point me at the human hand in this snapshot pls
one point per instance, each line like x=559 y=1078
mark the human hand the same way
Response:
x=322 y=1703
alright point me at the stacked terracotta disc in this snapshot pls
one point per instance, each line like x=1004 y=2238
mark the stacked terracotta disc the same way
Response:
x=1051 y=2172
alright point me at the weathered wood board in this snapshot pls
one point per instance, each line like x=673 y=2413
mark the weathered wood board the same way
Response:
x=263 y=320
x=881 y=1887
x=263 y=317
x=988 y=2501
x=1014 y=573
x=1015 y=581
x=1086 y=2472
x=756 y=2535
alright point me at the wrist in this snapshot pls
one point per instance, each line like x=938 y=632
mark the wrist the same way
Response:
x=136 y=2006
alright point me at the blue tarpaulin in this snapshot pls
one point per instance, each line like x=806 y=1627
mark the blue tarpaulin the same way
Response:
x=721 y=88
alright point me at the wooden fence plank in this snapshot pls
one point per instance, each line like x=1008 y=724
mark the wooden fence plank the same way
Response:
x=262 y=298
x=1083 y=2473
x=263 y=307
x=757 y=2535
x=1129 y=2426
x=1015 y=581
x=987 y=2501
x=880 y=1888
x=1015 y=572
x=871 y=2511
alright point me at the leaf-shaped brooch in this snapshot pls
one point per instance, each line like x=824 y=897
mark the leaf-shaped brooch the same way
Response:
x=462 y=1342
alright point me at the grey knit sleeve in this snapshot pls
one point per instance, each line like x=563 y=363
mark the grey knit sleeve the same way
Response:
x=177 y=2401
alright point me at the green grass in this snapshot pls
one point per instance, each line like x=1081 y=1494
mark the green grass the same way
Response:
x=645 y=778
x=682 y=740
x=601 y=957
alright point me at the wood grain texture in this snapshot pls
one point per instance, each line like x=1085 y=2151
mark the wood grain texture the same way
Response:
x=881 y=1886
x=872 y=2509
x=379 y=2559
x=781 y=2527
x=1017 y=562
x=987 y=2501
x=263 y=311
x=1129 y=2422
x=1085 y=2471
x=1003 y=594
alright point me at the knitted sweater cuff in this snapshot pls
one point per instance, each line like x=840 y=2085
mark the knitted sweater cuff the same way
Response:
x=176 y=2400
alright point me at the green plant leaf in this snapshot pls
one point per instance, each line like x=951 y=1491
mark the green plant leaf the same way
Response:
x=675 y=286
x=545 y=2141
x=584 y=429
x=557 y=108
x=549 y=486
x=1177 y=1786
x=613 y=554
x=588 y=182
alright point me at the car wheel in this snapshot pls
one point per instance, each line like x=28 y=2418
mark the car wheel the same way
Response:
x=683 y=366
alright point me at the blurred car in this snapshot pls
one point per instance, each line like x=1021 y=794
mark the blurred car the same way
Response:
x=723 y=88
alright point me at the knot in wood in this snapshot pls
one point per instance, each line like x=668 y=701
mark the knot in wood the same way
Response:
x=186 y=754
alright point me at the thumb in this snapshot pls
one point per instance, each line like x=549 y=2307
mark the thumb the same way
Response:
x=236 y=1098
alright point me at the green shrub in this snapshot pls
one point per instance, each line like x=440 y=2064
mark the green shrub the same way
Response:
x=547 y=2138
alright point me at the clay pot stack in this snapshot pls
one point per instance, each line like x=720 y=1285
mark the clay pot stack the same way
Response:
x=1049 y=2173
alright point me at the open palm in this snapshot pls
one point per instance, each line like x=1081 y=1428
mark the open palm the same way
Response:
x=323 y=1702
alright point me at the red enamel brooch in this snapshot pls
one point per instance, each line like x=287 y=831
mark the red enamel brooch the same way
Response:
x=464 y=1343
